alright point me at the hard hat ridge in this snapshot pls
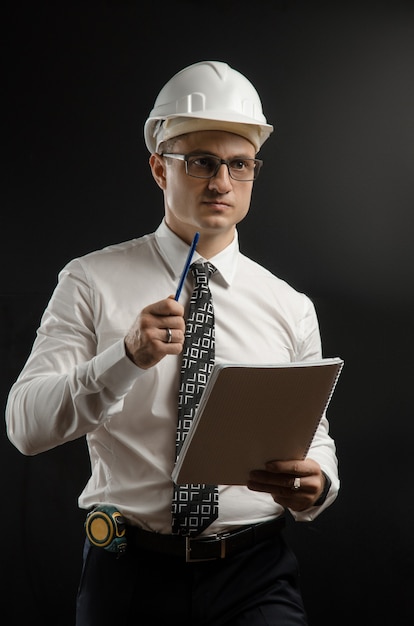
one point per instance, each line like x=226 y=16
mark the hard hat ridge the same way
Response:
x=205 y=96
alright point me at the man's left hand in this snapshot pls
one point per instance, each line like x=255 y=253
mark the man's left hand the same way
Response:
x=296 y=485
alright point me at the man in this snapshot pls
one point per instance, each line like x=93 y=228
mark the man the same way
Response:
x=106 y=364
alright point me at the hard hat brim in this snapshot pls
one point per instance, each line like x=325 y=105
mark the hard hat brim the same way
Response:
x=158 y=129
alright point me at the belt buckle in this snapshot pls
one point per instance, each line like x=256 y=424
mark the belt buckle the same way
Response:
x=220 y=538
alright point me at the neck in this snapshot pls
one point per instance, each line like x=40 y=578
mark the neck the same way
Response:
x=208 y=246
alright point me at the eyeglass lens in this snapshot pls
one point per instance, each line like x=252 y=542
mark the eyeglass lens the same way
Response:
x=207 y=166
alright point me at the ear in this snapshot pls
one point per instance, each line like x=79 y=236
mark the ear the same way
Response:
x=157 y=165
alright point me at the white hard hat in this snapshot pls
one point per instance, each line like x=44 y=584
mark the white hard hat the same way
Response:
x=209 y=95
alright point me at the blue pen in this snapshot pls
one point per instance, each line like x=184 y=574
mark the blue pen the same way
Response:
x=186 y=266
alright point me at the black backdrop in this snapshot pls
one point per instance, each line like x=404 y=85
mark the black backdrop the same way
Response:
x=331 y=213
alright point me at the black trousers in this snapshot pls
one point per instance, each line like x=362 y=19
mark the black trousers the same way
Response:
x=257 y=587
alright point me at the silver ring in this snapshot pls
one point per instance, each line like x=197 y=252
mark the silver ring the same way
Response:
x=296 y=483
x=169 y=335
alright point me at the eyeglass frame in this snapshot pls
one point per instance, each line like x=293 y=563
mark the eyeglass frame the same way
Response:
x=185 y=157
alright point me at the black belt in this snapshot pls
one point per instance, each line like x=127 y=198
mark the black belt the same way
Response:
x=205 y=548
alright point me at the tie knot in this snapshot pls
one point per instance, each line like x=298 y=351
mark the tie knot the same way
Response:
x=202 y=272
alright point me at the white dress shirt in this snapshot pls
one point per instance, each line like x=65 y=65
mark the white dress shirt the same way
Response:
x=78 y=380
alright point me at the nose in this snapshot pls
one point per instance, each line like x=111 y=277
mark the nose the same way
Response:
x=221 y=182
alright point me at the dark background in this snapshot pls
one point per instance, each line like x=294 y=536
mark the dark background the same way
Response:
x=331 y=213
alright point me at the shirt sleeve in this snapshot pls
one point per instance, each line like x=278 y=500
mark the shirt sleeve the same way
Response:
x=66 y=389
x=323 y=448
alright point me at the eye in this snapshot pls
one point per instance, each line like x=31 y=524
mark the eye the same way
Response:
x=240 y=164
x=204 y=162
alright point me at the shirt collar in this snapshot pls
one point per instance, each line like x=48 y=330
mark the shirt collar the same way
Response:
x=174 y=251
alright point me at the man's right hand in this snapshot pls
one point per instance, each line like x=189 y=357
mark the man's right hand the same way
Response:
x=157 y=331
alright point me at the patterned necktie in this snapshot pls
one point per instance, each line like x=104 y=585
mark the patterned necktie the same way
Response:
x=195 y=506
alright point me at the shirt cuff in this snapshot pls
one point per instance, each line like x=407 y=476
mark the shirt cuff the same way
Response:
x=115 y=370
x=325 y=491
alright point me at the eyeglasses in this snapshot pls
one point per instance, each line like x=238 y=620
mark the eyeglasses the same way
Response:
x=207 y=166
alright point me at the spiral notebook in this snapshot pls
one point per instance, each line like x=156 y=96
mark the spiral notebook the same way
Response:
x=250 y=414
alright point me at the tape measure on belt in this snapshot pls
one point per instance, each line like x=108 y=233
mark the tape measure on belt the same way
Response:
x=106 y=528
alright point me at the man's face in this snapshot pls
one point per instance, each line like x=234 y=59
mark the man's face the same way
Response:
x=212 y=206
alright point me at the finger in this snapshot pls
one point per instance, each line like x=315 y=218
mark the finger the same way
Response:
x=260 y=480
x=272 y=478
x=306 y=467
x=166 y=307
x=174 y=322
x=170 y=334
x=293 y=467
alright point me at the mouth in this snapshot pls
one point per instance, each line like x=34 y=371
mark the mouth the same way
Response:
x=217 y=204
